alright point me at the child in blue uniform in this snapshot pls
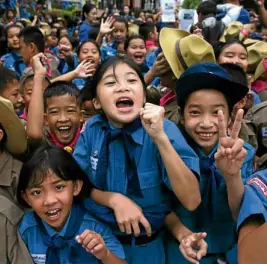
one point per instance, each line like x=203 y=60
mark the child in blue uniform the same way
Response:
x=13 y=60
x=59 y=230
x=252 y=219
x=206 y=95
x=130 y=153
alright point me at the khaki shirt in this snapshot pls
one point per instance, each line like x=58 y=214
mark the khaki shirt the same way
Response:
x=257 y=116
x=12 y=248
x=247 y=134
x=172 y=111
x=9 y=175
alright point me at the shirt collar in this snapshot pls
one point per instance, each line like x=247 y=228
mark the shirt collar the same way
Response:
x=6 y=162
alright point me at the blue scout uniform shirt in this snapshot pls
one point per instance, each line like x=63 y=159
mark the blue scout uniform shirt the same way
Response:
x=150 y=168
x=213 y=215
x=255 y=198
x=33 y=238
x=84 y=30
x=14 y=62
x=109 y=50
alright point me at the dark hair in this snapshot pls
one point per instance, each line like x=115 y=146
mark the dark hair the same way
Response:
x=3 y=45
x=207 y=8
x=59 y=31
x=3 y=140
x=129 y=39
x=120 y=19
x=61 y=88
x=49 y=159
x=145 y=29
x=218 y=47
x=6 y=77
x=88 y=41
x=33 y=35
x=94 y=31
x=113 y=62
x=7 y=28
x=86 y=94
x=87 y=8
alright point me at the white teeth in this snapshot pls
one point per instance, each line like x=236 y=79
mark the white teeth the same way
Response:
x=206 y=134
x=53 y=212
x=64 y=128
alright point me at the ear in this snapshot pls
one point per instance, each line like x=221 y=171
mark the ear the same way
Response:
x=81 y=117
x=25 y=198
x=77 y=187
x=241 y=103
x=32 y=47
x=1 y=134
x=150 y=35
x=97 y=104
x=45 y=119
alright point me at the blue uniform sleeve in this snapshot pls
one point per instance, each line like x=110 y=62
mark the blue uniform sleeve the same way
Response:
x=81 y=153
x=186 y=153
x=84 y=31
x=110 y=240
x=255 y=198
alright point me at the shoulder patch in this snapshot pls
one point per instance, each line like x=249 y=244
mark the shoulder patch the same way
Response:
x=260 y=184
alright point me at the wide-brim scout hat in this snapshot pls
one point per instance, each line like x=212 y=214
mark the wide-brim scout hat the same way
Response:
x=262 y=67
x=16 y=142
x=133 y=29
x=182 y=49
x=256 y=53
x=45 y=28
x=249 y=41
x=209 y=76
x=232 y=31
x=28 y=72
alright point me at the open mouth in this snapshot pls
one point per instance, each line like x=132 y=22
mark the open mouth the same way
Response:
x=53 y=214
x=124 y=103
x=64 y=130
x=206 y=135
x=91 y=61
x=138 y=57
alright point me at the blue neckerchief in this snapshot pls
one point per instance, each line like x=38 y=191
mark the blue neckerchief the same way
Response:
x=56 y=242
x=113 y=44
x=144 y=68
x=133 y=185
x=18 y=60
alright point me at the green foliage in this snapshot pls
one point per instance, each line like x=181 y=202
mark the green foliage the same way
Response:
x=191 y=4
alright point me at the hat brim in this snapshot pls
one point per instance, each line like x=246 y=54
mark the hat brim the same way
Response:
x=16 y=142
x=167 y=39
x=260 y=70
x=198 y=81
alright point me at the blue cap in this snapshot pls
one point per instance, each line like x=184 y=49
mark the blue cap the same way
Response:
x=209 y=76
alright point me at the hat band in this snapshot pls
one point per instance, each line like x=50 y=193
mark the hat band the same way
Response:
x=179 y=54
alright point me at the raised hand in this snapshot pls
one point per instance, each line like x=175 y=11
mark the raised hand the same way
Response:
x=129 y=215
x=39 y=63
x=93 y=243
x=85 y=69
x=231 y=154
x=194 y=247
x=106 y=27
x=152 y=117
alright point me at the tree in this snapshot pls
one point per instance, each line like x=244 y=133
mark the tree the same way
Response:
x=191 y=4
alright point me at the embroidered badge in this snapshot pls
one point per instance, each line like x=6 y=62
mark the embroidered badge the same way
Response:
x=39 y=258
x=264 y=131
x=94 y=162
x=260 y=184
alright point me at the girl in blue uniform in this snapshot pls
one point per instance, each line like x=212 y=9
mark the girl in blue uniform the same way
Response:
x=206 y=95
x=131 y=154
x=59 y=230
x=13 y=59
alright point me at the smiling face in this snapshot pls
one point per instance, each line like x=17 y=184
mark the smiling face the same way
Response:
x=91 y=16
x=12 y=38
x=137 y=51
x=201 y=117
x=63 y=117
x=235 y=54
x=89 y=52
x=52 y=199
x=120 y=97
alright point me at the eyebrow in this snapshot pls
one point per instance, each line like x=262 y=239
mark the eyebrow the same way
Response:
x=198 y=106
x=112 y=75
x=40 y=185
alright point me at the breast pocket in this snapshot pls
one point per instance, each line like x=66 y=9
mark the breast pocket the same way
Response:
x=151 y=187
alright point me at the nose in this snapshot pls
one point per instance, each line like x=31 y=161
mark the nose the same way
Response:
x=122 y=87
x=206 y=122
x=63 y=117
x=49 y=199
x=20 y=99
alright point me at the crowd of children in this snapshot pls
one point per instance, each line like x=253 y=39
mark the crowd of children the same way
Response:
x=127 y=140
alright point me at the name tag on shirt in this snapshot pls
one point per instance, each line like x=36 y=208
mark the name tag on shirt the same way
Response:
x=94 y=162
x=264 y=131
x=39 y=258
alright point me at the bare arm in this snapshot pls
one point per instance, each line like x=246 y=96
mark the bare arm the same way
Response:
x=262 y=12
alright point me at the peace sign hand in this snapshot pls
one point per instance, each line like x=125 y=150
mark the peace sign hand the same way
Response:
x=231 y=154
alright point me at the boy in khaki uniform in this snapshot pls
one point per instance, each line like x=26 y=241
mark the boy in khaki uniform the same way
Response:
x=13 y=141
